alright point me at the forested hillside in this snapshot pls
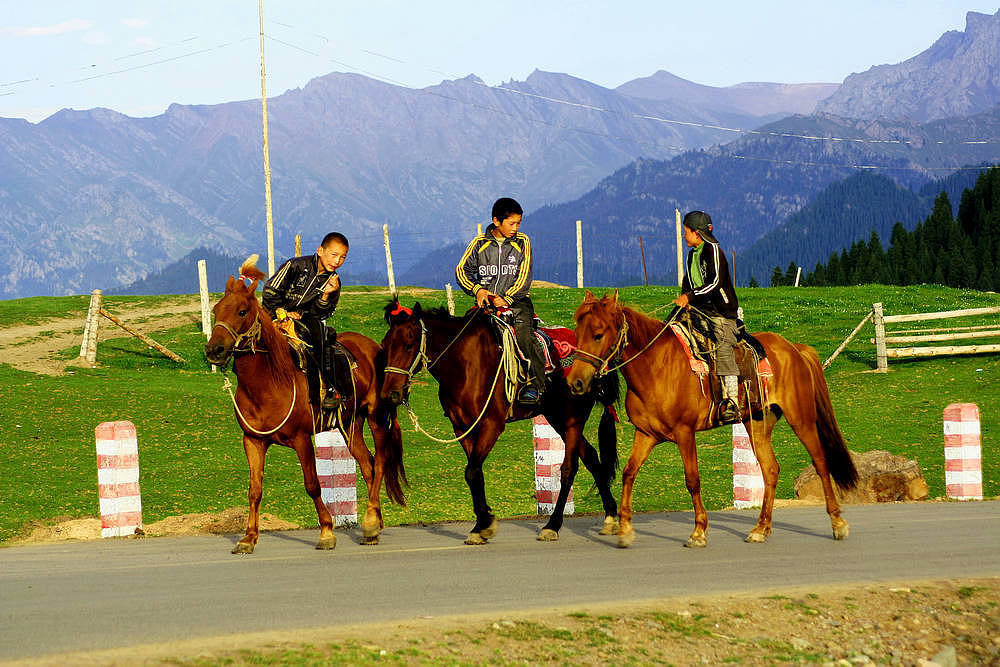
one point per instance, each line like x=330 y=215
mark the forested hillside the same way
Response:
x=960 y=250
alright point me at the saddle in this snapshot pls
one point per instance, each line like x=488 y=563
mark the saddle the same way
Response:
x=301 y=349
x=696 y=337
x=558 y=345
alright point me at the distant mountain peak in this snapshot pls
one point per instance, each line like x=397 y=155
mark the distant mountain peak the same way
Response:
x=957 y=76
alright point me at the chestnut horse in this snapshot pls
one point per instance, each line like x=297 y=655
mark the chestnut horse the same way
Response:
x=272 y=406
x=666 y=402
x=463 y=356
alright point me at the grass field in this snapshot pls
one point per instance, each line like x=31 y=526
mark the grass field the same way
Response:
x=192 y=460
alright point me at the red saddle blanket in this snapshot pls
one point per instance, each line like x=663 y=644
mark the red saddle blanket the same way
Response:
x=564 y=342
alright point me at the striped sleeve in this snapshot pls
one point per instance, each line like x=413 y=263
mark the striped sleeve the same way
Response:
x=712 y=281
x=467 y=271
x=274 y=289
x=523 y=281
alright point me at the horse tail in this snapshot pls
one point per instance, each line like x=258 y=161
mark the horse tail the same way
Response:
x=395 y=473
x=607 y=433
x=838 y=458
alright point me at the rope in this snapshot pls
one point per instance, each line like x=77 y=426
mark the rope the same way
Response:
x=416 y=424
x=228 y=386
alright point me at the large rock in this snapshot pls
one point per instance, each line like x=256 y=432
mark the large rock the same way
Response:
x=882 y=478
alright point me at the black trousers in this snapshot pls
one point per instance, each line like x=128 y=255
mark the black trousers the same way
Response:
x=524 y=329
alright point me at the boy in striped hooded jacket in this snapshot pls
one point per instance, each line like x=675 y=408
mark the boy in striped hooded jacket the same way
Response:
x=495 y=269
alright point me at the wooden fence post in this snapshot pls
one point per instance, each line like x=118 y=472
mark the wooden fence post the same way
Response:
x=451 y=299
x=680 y=249
x=579 y=254
x=298 y=245
x=881 y=360
x=388 y=262
x=206 y=313
x=88 y=348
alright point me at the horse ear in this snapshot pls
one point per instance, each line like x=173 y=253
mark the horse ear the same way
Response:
x=230 y=283
x=589 y=296
x=253 y=287
x=614 y=298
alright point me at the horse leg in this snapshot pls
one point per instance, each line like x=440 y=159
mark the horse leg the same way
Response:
x=592 y=462
x=807 y=433
x=642 y=445
x=567 y=473
x=760 y=439
x=255 y=450
x=371 y=525
x=486 y=522
x=307 y=460
x=692 y=479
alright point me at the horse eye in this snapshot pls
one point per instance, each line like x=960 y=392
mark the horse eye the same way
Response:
x=598 y=336
x=243 y=313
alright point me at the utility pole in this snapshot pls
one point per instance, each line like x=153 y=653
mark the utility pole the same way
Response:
x=267 y=153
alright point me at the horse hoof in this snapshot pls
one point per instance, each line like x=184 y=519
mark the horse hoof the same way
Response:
x=489 y=531
x=370 y=540
x=475 y=539
x=625 y=540
x=327 y=543
x=243 y=548
x=840 y=532
x=696 y=542
x=547 y=535
x=610 y=526
x=755 y=537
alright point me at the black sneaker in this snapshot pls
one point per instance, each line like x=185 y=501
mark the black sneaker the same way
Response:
x=529 y=396
x=730 y=412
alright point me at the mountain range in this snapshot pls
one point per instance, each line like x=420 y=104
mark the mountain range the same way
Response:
x=102 y=200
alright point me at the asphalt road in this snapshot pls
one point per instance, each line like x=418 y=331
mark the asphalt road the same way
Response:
x=118 y=593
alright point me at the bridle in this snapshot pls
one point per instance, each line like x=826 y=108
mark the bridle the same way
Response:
x=246 y=341
x=420 y=361
x=602 y=363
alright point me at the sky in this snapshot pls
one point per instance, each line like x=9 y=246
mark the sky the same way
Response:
x=138 y=57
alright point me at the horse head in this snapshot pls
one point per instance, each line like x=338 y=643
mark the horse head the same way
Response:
x=598 y=340
x=403 y=346
x=236 y=314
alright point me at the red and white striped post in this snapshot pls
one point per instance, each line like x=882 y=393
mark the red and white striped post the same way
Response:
x=748 y=482
x=550 y=452
x=963 y=458
x=118 y=479
x=338 y=475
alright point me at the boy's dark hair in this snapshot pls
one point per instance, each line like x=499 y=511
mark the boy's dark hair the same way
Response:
x=505 y=207
x=335 y=236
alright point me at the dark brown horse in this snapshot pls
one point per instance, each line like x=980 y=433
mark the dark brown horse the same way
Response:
x=272 y=406
x=463 y=356
x=666 y=402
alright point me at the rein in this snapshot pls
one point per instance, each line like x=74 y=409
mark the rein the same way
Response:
x=422 y=361
x=620 y=345
x=251 y=336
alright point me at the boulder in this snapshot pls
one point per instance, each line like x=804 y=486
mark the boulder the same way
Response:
x=882 y=478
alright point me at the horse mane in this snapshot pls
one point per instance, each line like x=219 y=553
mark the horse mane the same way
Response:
x=248 y=269
x=394 y=312
x=641 y=324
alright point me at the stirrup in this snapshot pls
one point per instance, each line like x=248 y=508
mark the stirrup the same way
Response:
x=332 y=400
x=729 y=412
x=529 y=395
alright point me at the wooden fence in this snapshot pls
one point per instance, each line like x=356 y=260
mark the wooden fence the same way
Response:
x=885 y=338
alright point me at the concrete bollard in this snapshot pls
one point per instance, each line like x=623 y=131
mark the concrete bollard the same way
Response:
x=963 y=458
x=550 y=452
x=118 y=479
x=748 y=482
x=338 y=475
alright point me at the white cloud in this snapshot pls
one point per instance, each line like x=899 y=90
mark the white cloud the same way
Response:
x=143 y=42
x=135 y=23
x=72 y=25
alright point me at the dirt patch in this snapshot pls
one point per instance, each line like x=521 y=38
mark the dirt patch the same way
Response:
x=35 y=347
x=230 y=521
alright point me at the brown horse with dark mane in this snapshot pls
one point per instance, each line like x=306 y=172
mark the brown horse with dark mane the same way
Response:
x=272 y=407
x=666 y=401
x=463 y=355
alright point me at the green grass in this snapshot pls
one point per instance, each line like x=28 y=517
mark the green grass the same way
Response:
x=191 y=456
